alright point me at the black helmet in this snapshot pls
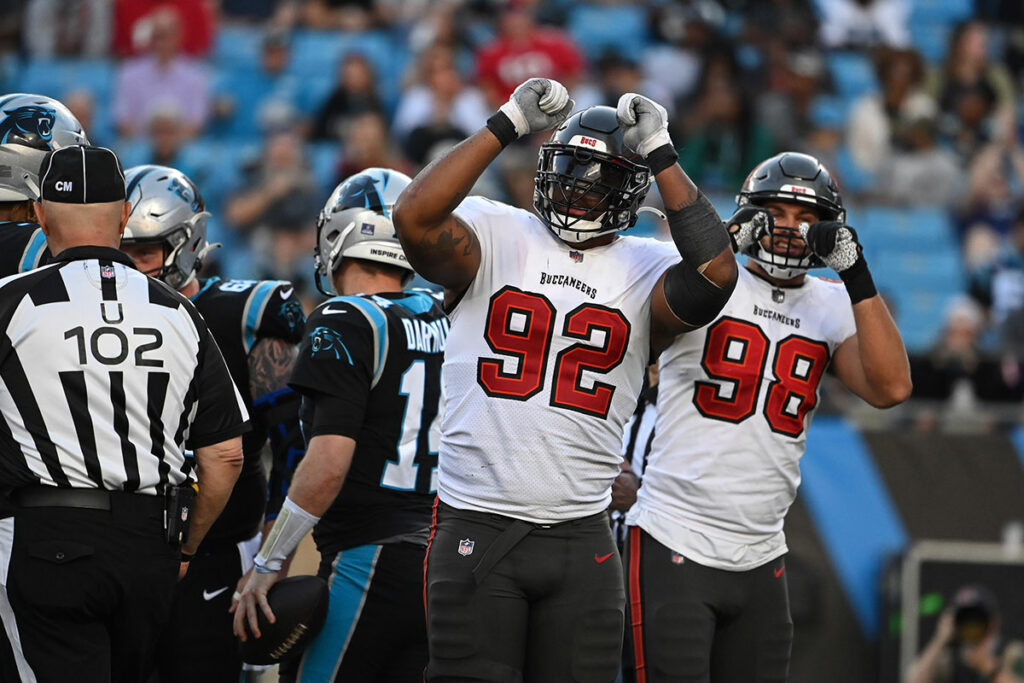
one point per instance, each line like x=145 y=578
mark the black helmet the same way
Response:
x=588 y=183
x=798 y=178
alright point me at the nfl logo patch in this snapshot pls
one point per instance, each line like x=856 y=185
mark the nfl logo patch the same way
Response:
x=576 y=256
x=778 y=295
x=366 y=229
x=677 y=558
x=466 y=547
x=107 y=272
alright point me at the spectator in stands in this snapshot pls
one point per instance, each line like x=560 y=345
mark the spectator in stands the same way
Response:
x=274 y=205
x=683 y=36
x=135 y=21
x=975 y=93
x=920 y=172
x=878 y=119
x=795 y=77
x=524 y=50
x=723 y=138
x=618 y=74
x=863 y=24
x=999 y=288
x=439 y=92
x=952 y=361
x=270 y=94
x=355 y=93
x=167 y=135
x=161 y=79
x=67 y=27
x=968 y=646
x=990 y=200
x=367 y=144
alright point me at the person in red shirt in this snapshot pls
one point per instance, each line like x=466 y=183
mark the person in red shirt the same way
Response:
x=523 y=50
x=133 y=18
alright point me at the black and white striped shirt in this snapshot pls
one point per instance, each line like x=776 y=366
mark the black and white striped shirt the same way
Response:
x=106 y=378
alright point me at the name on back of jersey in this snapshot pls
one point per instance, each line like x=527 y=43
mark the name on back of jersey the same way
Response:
x=428 y=337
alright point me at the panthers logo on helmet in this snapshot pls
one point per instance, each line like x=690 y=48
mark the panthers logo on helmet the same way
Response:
x=30 y=125
x=327 y=342
x=361 y=191
x=189 y=193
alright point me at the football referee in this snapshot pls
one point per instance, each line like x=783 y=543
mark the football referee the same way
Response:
x=106 y=378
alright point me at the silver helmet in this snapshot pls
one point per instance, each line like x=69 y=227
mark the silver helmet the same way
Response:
x=167 y=209
x=356 y=223
x=31 y=126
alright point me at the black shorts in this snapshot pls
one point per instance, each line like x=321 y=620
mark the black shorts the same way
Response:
x=549 y=609
x=693 y=624
x=199 y=643
x=88 y=591
x=375 y=629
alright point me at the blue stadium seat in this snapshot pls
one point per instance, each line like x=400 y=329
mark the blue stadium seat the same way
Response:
x=323 y=159
x=237 y=45
x=619 y=28
x=907 y=229
x=853 y=73
x=949 y=11
x=931 y=38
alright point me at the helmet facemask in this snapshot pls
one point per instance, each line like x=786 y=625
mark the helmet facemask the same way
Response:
x=582 y=193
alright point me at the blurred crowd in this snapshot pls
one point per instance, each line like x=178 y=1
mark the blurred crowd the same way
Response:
x=913 y=104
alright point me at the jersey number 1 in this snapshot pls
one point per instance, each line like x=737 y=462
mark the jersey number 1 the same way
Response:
x=735 y=354
x=521 y=324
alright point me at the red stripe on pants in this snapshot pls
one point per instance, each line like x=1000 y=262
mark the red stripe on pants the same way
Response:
x=636 y=618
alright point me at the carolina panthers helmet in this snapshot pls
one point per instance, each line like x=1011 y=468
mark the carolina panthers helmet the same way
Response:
x=798 y=178
x=167 y=209
x=30 y=126
x=588 y=184
x=356 y=223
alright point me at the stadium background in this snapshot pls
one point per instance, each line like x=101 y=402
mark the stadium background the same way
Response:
x=914 y=105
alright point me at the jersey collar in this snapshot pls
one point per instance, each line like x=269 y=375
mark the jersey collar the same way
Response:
x=92 y=252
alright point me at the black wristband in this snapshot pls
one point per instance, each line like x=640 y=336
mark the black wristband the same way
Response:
x=503 y=129
x=662 y=158
x=858 y=281
x=186 y=557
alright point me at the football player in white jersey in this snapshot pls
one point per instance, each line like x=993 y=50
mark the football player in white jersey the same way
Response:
x=708 y=595
x=554 y=318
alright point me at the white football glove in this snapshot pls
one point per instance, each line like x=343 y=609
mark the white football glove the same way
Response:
x=537 y=104
x=644 y=123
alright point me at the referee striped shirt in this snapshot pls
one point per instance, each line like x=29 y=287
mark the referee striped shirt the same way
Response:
x=106 y=378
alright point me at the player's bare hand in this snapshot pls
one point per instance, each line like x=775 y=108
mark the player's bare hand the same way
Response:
x=239 y=587
x=537 y=104
x=624 y=488
x=748 y=225
x=254 y=597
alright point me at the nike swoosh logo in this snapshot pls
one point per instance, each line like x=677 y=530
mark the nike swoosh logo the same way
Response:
x=329 y=311
x=778 y=572
x=601 y=558
x=285 y=295
x=210 y=595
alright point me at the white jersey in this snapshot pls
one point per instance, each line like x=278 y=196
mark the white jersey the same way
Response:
x=735 y=400
x=544 y=361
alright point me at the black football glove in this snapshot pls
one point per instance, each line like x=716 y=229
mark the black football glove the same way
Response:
x=837 y=245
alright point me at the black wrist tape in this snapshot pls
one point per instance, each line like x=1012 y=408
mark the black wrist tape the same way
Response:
x=858 y=281
x=661 y=158
x=501 y=126
x=698 y=232
x=186 y=557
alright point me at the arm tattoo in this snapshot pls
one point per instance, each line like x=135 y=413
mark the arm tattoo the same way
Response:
x=442 y=245
x=270 y=365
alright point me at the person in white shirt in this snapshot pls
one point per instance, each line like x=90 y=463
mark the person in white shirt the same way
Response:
x=705 y=565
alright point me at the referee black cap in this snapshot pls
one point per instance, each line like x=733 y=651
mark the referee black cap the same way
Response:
x=81 y=174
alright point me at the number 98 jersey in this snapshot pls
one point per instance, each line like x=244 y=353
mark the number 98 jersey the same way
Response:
x=735 y=399
x=544 y=364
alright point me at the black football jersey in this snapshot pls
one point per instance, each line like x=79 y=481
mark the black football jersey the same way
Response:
x=240 y=313
x=22 y=247
x=369 y=368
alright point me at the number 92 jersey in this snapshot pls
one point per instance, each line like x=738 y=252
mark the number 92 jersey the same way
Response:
x=544 y=364
x=369 y=368
x=735 y=399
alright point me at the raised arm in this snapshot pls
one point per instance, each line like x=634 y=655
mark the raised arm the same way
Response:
x=442 y=248
x=873 y=362
x=691 y=293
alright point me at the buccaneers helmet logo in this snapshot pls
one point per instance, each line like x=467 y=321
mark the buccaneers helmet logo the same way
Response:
x=30 y=125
